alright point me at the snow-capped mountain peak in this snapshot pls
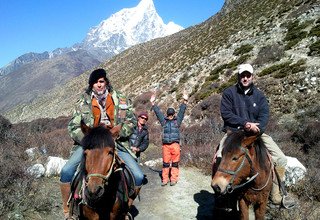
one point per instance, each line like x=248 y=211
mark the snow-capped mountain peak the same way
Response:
x=146 y=5
x=128 y=27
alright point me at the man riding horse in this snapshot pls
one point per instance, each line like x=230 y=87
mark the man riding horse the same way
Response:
x=243 y=106
x=101 y=105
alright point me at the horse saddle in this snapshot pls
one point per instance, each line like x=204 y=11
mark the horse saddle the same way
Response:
x=127 y=184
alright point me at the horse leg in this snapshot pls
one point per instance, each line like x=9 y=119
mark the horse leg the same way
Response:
x=260 y=211
x=89 y=213
x=118 y=211
x=244 y=210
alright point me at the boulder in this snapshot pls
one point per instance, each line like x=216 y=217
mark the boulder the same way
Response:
x=36 y=170
x=295 y=171
x=54 y=166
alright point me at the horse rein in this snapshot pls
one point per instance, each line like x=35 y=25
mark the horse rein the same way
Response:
x=104 y=177
x=231 y=188
x=270 y=172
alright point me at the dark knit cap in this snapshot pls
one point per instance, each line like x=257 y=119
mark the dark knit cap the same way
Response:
x=171 y=111
x=97 y=74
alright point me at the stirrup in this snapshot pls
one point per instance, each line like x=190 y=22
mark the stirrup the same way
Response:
x=71 y=218
x=128 y=216
x=288 y=202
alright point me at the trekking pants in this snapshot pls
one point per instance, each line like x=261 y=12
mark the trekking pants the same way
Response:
x=133 y=166
x=170 y=156
x=70 y=168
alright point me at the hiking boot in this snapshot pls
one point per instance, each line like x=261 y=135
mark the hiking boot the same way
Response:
x=164 y=184
x=173 y=183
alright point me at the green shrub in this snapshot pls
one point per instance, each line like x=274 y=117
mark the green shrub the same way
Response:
x=295 y=33
x=284 y=69
x=218 y=69
x=179 y=96
x=274 y=68
x=174 y=89
x=212 y=77
x=184 y=78
x=315 y=31
x=233 y=80
x=243 y=49
x=314 y=48
x=234 y=64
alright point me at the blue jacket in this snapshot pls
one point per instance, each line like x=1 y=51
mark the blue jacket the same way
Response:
x=238 y=108
x=171 y=131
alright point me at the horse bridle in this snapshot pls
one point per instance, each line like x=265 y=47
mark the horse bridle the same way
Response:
x=230 y=187
x=104 y=177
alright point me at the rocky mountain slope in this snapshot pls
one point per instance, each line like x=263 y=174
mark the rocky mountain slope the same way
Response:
x=280 y=38
x=35 y=74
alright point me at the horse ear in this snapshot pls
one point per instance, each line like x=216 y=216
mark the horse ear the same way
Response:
x=84 y=128
x=248 y=141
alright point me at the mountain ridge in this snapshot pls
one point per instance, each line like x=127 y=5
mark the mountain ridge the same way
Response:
x=203 y=59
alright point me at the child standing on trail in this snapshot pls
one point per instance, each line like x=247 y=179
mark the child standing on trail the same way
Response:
x=170 y=139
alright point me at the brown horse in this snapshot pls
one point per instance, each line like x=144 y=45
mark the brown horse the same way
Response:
x=244 y=173
x=103 y=193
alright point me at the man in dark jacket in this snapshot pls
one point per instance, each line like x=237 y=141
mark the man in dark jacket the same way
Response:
x=170 y=140
x=243 y=106
x=139 y=140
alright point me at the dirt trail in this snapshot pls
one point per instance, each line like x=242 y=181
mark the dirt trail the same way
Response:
x=190 y=198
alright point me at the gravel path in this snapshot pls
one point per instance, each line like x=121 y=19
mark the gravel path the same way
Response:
x=190 y=198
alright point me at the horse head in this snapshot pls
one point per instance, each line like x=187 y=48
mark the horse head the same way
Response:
x=99 y=160
x=236 y=166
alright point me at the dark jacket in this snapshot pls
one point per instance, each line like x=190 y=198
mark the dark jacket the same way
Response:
x=140 y=139
x=171 y=131
x=238 y=108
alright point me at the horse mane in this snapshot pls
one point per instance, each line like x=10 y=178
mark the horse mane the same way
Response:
x=98 y=137
x=234 y=140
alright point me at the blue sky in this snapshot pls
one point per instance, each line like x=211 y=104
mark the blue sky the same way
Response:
x=44 y=25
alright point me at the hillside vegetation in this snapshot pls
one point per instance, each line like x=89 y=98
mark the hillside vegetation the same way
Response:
x=281 y=38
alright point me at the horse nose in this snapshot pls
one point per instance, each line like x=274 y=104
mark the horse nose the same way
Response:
x=216 y=188
x=96 y=191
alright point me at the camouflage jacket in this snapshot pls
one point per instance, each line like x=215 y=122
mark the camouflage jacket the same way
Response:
x=122 y=114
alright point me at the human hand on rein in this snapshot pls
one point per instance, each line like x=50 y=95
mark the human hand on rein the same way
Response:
x=253 y=127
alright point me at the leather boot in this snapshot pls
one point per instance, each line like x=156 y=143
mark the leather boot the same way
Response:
x=130 y=202
x=276 y=197
x=65 y=194
x=134 y=196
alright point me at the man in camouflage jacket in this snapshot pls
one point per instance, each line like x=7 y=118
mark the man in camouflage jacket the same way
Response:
x=100 y=105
